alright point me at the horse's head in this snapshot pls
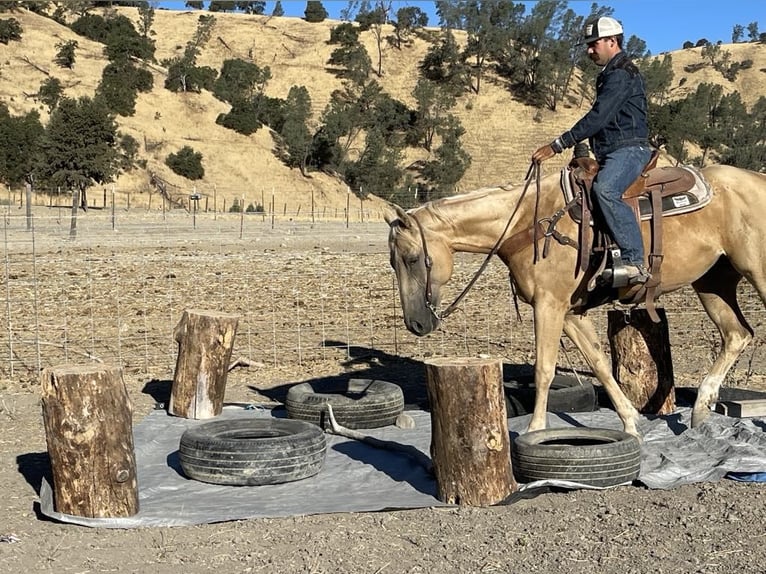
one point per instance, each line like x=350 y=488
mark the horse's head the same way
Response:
x=422 y=260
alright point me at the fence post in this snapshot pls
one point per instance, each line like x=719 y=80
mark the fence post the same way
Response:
x=29 y=206
x=73 y=219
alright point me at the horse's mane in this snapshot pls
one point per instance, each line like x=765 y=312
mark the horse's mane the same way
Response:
x=434 y=207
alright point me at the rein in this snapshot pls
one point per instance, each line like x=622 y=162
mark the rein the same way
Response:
x=533 y=171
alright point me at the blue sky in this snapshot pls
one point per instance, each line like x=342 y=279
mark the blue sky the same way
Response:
x=663 y=24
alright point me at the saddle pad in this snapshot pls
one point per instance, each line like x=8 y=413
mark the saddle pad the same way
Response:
x=698 y=196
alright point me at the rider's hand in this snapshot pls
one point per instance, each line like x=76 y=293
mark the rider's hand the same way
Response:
x=545 y=152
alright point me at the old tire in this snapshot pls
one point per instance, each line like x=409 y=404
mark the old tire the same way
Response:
x=356 y=404
x=592 y=456
x=566 y=395
x=252 y=451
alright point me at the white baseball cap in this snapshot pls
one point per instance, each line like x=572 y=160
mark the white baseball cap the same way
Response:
x=601 y=27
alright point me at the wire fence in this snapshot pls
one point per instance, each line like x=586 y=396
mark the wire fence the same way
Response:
x=306 y=292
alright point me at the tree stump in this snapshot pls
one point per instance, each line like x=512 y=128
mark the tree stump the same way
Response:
x=88 y=428
x=470 y=445
x=205 y=341
x=641 y=361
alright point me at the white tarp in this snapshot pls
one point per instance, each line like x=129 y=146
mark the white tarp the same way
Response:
x=358 y=477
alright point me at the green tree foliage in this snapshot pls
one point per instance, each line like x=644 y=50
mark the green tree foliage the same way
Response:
x=737 y=33
x=487 y=29
x=240 y=80
x=372 y=16
x=222 y=6
x=444 y=172
x=241 y=118
x=118 y=33
x=295 y=134
x=195 y=4
x=444 y=65
x=91 y=26
x=315 y=11
x=65 y=55
x=10 y=30
x=377 y=169
x=432 y=112
x=120 y=83
x=251 y=7
x=50 y=92
x=80 y=146
x=183 y=73
x=658 y=77
x=186 y=163
x=278 y=11
x=129 y=148
x=351 y=56
x=20 y=140
x=746 y=144
x=408 y=20
x=362 y=130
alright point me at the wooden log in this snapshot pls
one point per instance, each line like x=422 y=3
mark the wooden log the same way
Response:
x=641 y=360
x=470 y=445
x=205 y=341
x=88 y=428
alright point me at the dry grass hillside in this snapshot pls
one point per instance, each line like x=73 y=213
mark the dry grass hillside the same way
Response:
x=500 y=134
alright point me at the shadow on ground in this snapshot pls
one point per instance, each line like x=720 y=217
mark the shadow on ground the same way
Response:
x=374 y=364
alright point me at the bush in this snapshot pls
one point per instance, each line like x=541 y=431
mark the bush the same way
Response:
x=65 y=57
x=186 y=163
x=10 y=29
x=92 y=26
x=50 y=92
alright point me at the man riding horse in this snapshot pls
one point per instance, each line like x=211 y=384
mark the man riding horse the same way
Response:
x=617 y=128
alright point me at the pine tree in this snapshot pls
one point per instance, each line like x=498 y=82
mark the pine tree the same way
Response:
x=278 y=10
x=315 y=11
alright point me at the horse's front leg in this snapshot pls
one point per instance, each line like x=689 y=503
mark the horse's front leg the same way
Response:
x=549 y=319
x=582 y=333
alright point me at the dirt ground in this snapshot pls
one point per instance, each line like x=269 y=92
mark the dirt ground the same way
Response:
x=707 y=527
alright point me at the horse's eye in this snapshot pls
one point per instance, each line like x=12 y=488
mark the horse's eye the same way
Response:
x=411 y=261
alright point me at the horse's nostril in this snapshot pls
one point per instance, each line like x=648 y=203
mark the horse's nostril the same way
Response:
x=416 y=328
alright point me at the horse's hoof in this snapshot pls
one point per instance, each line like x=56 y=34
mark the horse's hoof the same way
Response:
x=699 y=416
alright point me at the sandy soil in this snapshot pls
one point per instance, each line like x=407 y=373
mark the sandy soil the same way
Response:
x=698 y=528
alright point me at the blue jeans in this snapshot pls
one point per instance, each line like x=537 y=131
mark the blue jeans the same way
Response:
x=618 y=170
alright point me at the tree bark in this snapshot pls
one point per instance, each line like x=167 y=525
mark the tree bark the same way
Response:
x=205 y=341
x=641 y=361
x=88 y=428
x=470 y=445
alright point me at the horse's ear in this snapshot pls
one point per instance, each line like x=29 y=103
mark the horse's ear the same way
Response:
x=394 y=212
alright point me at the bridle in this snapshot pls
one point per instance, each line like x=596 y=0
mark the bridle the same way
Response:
x=532 y=173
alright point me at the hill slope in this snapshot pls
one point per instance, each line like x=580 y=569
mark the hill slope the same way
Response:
x=501 y=133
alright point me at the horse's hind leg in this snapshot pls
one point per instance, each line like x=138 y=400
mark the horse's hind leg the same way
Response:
x=582 y=333
x=717 y=290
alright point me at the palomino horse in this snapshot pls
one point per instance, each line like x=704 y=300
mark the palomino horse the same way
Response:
x=710 y=249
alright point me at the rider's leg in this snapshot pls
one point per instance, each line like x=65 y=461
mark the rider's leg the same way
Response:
x=618 y=170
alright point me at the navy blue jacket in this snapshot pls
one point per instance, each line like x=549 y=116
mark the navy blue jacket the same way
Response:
x=618 y=116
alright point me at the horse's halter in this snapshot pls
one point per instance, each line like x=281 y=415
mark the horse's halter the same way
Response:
x=428 y=263
x=533 y=171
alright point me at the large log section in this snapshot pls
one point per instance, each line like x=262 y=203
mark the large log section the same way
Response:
x=205 y=340
x=88 y=427
x=641 y=361
x=470 y=445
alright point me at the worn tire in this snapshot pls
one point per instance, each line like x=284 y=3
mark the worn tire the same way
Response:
x=356 y=404
x=566 y=395
x=592 y=456
x=252 y=451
